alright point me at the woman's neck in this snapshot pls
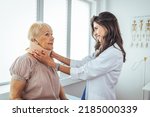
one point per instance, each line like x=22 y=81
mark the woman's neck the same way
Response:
x=34 y=46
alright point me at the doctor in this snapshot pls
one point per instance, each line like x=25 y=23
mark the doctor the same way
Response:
x=101 y=70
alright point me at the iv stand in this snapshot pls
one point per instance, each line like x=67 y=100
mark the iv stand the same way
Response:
x=145 y=59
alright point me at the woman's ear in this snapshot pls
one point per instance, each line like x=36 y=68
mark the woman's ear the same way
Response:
x=33 y=40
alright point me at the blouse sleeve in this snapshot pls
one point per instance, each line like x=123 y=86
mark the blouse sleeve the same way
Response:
x=79 y=63
x=104 y=63
x=21 y=68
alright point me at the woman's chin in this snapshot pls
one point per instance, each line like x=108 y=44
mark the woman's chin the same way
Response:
x=49 y=49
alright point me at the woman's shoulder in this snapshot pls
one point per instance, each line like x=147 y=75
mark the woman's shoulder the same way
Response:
x=23 y=66
x=25 y=60
x=28 y=57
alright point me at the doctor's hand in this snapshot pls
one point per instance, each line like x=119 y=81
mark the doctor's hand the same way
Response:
x=53 y=54
x=44 y=58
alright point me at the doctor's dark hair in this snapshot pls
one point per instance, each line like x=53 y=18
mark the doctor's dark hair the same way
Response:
x=113 y=35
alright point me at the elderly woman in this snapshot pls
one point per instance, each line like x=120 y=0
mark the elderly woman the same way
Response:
x=32 y=80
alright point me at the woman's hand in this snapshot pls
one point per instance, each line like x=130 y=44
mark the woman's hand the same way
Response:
x=44 y=58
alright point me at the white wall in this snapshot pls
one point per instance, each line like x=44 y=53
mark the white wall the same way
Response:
x=131 y=80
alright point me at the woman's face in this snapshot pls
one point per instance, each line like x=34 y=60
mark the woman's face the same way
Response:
x=99 y=32
x=46 y=39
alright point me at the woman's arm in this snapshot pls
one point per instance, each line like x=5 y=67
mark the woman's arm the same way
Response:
x=62 y=94
x=16 y=88
x=60 y=58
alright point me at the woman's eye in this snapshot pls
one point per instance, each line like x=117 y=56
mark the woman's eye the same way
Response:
x=46 y=34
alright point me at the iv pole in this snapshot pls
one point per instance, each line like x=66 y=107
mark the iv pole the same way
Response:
x=144 y=79
x=145 y=59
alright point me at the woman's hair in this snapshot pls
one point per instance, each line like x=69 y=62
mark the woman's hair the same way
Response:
x=36 y=30
x=113 y=35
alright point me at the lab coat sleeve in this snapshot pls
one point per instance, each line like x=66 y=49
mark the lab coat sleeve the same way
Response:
x=79 y=63
x=104 y=63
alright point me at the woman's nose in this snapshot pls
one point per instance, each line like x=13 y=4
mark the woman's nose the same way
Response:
x=52 y=39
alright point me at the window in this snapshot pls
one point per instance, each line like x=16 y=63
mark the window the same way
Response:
x=55 y=14
x=80 y=22
x=16 y=17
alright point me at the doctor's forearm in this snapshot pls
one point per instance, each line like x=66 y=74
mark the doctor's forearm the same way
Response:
x=61 y=58
x=64 y=69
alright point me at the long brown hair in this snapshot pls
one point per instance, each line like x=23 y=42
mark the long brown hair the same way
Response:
x=109 y=21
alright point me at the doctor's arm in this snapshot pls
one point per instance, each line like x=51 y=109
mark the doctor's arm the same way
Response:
x=47 y=60
x=71 y=62
x=62 y=94
x=60 y=58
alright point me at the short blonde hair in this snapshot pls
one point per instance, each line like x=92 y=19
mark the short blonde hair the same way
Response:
x=36 y=30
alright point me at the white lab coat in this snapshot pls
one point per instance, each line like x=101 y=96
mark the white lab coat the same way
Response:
x=101 y=73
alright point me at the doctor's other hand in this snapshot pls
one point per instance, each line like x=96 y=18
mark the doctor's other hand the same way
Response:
x=53 y=54
x=44 y=58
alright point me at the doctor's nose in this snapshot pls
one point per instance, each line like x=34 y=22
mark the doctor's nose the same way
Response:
x=94 y=34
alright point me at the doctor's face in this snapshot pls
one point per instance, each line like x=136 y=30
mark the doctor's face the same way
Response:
x=99 y=32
